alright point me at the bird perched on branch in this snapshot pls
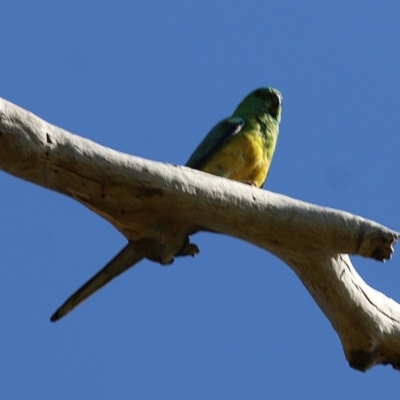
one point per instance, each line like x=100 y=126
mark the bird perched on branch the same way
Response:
x=240 y=147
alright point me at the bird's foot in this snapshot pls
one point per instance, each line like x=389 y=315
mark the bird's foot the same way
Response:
x=249 y=182
x=188 y=249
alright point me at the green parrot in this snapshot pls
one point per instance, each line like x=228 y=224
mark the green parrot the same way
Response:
x=240 y=147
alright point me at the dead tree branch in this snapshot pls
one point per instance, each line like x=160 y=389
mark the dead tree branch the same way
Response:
x=156 y=206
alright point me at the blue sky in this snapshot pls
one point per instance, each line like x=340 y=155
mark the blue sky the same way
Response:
x=151 y=79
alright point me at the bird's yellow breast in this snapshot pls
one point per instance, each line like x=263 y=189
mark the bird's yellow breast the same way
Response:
x=243 y=158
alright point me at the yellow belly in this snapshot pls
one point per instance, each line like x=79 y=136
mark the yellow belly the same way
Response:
x=242 y=159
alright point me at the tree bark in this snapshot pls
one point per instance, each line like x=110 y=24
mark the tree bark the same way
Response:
x=156 y=206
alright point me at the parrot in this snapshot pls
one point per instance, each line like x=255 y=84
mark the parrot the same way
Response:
x=240 y=148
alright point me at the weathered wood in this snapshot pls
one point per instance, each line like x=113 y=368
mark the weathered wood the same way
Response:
x=156 y=206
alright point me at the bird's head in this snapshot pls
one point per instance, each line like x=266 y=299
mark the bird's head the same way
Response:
x=263 y=100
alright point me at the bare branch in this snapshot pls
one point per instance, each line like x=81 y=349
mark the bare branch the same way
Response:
x=156 y=206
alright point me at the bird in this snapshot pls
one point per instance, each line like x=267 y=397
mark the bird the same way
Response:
x=240 y=147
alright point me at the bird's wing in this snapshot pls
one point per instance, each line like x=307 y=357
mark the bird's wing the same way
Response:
x=215 y=139
x=124 y=260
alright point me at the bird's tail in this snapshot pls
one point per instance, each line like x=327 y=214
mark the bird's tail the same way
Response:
x=124 y=260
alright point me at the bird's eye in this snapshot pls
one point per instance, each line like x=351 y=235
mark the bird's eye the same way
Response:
x=275 y=101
